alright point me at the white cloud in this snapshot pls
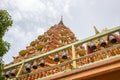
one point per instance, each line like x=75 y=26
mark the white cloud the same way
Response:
x=29 y=5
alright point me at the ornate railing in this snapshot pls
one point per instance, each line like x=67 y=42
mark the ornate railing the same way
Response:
x=69 y=65
x=96 y=57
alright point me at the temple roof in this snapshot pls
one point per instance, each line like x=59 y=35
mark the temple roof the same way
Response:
x=57 y=36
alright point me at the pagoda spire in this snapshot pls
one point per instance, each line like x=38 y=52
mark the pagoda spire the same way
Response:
x=61 y=21
x=96 y=30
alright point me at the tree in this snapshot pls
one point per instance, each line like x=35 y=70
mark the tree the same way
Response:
x=5 y=23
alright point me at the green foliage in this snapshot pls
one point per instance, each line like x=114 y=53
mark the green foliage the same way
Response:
x=5 y=23
x=1 y=68
x=4 y=47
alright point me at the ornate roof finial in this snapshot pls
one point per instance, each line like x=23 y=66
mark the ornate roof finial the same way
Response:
x=61 y=18
x=96 y=30
x=61 y=21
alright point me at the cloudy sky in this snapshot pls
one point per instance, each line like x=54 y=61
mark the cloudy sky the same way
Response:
x=32 y=17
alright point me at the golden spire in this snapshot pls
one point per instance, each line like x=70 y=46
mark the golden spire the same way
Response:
x=96 y=30
x=61 y=21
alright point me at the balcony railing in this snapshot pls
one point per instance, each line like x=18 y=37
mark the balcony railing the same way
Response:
x=82 y=62
x=68 y=65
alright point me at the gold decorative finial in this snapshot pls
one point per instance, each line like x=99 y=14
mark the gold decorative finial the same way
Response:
x=96 y=30
x=105 y=29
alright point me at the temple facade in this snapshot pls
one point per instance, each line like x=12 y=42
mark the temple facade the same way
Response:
x=72 y=61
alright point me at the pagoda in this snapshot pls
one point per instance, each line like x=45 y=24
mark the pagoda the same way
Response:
x=57 y=36
x=67 y=58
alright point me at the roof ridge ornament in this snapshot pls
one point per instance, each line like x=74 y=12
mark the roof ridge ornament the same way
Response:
x=96 y=30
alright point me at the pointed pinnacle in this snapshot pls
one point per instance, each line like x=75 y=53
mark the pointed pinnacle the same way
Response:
x=61 y=21
x=96 y=30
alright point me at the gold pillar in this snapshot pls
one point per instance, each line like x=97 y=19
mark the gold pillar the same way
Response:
x=20 y=70
x=74 y=56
